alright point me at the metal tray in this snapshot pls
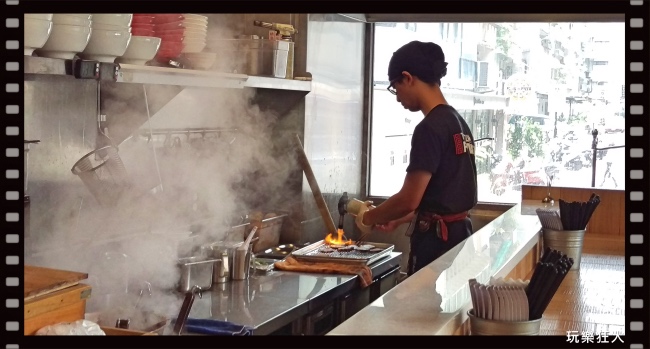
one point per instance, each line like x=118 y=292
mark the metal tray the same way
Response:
x=311 y=254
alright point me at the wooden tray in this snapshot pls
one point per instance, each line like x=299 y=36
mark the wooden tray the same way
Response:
x=66 y=305
x=112 y=331
x=40 y=281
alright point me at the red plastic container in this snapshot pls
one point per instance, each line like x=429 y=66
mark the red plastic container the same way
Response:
x=172 y=32
x=163 y=55
x=142 y=32
x=169 y=26
x=167 y=18
x=143 y=26
x=170 y=37
x=171 y=46
x=142 y=20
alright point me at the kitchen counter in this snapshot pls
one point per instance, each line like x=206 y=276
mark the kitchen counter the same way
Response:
x=268 y=302
x=434 y=301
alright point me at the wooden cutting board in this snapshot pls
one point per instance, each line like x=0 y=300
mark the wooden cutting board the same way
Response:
x=40 y=281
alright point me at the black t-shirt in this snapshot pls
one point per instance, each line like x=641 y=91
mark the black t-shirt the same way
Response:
x=441 y=147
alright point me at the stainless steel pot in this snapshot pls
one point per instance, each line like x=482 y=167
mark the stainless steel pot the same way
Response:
x=225 y=252
x=196 y=271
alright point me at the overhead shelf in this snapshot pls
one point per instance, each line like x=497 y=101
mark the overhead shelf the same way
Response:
x=279 y=84
x=138 y=74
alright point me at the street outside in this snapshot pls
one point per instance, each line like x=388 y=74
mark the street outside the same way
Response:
x=389 y=178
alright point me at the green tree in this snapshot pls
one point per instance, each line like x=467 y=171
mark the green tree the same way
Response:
x=577 y=118
x=525 y=132
x=534 y=139
x=516 y=139
x=503 y=39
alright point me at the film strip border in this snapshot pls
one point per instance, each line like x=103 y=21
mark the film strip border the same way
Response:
x=638 y=168
x=11 y=136
x=637 y=35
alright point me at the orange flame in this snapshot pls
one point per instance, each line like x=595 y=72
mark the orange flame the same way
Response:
x=338 y=240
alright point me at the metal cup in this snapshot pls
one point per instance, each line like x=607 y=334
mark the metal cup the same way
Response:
x=241 y=264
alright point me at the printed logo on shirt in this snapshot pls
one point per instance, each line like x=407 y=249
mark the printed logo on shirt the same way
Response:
x=463 y=144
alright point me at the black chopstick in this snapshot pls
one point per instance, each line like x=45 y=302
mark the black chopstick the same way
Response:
x=534 y=279
x=558 y=276
x=545 y=291
x=592 y=207
x=564 y=265
x=534 y=295
x=563 y=214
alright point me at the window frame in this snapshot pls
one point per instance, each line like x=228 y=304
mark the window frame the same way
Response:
x=369 y=48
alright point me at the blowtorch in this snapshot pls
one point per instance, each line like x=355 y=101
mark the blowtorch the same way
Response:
x=346 y=206
x=285 y=30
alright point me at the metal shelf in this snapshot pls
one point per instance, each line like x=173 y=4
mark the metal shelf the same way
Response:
x=138 y=74
x=278 y=84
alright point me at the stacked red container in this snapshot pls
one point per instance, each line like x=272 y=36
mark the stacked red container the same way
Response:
x=180 y=33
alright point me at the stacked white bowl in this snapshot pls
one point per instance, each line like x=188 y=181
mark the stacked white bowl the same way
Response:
x=143 y=46
x=37 y=28
x=196 y=32
x=111 y=34
x=141 y=50
x=69 y=36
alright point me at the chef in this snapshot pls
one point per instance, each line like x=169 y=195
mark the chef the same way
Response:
x=440 y=184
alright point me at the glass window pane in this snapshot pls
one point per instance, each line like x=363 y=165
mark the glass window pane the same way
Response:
x=537 y=89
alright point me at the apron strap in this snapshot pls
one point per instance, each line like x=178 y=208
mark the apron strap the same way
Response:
x=442 y=220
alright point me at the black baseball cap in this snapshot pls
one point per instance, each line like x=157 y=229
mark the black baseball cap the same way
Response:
x=422 y=59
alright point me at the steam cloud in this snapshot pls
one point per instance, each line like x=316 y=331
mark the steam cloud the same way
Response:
x=208 y=180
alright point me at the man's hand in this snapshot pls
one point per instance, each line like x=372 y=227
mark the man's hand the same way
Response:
x=392 y=225
x=365 y=229
x=389 y=227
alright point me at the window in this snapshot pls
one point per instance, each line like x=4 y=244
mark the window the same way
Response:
x=537 y=94
x=467 y=70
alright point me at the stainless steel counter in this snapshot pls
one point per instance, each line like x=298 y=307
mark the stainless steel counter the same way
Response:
x=269 y=302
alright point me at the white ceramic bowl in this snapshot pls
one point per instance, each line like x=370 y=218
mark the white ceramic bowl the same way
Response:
x=202 y=60
x=194 y=35
x=41 y=16
x=141 y=50
x=65 y=41
x=194 y=17
x=82 y=15
x=106 y=45
x=195 y=27
x=102 y=26
x=119 y=19
x=193 y=46
x=61 y=18
x=37 y=32
x=194 y=22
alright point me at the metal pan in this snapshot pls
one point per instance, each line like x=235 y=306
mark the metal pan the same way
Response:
x=311 y=253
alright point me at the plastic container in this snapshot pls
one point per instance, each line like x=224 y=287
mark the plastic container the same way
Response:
x=255 y=57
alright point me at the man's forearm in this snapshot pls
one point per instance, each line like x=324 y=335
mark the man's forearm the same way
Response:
x=407 y=218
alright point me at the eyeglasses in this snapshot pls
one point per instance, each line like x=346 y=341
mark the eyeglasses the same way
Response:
x=391 y=88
